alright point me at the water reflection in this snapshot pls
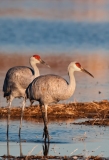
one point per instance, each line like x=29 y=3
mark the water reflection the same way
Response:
x=65 y=139
x=8 y=151
x=45 y=148
x=20 y=145
x=8 y=148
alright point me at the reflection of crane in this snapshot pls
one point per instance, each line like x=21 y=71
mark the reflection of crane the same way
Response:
x=17 y=80
x=20 y=146
x=8 y=150
x=45 y=147
x=52 y=88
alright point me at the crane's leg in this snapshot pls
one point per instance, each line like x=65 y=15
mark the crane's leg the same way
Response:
x=23 y=106
x=46 y=123
x=44 y=116
x=8 y=112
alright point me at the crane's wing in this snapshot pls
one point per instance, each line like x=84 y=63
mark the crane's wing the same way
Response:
x=49 y=87
x=17 y=77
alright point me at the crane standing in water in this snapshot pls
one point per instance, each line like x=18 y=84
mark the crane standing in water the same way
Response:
x=17 y=80
x=49 y=89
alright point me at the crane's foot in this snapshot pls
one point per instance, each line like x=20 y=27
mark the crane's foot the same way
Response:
x=8 y=119
x=7 y=130
x=46 y=134
x=19 y=132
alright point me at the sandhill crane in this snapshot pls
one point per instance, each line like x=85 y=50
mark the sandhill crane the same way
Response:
x=17 y=80
x=50 y=88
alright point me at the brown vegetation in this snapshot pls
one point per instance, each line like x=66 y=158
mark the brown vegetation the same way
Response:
x=96 y=110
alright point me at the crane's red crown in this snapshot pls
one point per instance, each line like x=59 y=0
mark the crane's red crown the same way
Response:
x=78 y=65
x=36 y=56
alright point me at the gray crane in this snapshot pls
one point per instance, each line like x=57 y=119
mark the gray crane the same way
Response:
x=47 y=89
x=17 y=80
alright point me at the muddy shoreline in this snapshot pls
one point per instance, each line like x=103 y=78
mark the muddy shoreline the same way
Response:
x=55 y=157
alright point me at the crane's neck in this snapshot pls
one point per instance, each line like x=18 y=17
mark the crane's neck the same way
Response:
x=35 y=68
x=72 y=83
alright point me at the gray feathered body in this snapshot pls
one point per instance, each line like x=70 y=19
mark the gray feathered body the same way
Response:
x=49 y=89
x=17 y=80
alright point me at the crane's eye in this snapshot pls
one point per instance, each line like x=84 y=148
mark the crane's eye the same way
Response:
x=78 y=65
x=36 y=56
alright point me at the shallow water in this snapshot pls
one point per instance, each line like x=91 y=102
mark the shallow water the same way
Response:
x=65 y=138
x=60 y=32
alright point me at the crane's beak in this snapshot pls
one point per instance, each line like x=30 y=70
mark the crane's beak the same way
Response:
x=43 y=62
x=82 y=69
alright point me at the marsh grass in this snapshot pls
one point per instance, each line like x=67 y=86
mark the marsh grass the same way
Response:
x=98 y=111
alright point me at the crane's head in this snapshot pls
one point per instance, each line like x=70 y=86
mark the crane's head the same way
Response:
x=37 y=59
x=77 y=67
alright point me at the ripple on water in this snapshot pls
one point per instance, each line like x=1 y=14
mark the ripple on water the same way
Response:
x=64 y=138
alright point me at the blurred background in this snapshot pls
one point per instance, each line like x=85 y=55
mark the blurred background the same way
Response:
x=60 y=31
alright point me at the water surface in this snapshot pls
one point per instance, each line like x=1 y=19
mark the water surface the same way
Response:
x=60 y=32
x=66 y=139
